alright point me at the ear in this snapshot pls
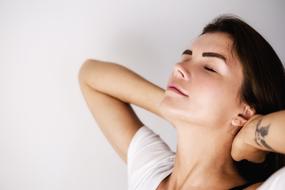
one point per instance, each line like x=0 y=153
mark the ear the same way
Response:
x=243 y=117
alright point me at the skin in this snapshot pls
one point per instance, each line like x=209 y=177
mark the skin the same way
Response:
x=260 y=135
x=212 y=112
x=208 y=120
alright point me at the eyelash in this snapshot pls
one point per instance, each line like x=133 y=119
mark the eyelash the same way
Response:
x=209 y=69
x=206 y=67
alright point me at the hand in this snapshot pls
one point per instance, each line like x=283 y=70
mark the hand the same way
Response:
x=241 y=149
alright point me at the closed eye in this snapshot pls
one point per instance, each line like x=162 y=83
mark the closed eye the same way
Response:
x=209 y=69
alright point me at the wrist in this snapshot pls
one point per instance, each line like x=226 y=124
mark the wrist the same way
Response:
x=251 y=130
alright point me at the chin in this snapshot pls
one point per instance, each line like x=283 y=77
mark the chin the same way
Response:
x=174 y=117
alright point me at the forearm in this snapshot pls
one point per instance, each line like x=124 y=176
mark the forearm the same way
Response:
x=267 y=132
x=121 y=83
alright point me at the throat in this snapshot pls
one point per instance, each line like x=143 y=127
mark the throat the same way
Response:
x=203 y=161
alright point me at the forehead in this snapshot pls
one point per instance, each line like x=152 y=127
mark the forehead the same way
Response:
x=218 y=42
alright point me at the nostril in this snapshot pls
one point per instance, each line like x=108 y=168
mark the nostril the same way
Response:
x=181 y=73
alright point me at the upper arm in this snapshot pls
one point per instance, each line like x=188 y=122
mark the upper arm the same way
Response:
x=116 y=119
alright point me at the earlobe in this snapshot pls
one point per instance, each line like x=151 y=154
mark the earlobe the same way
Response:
x=243 y=117
x=239 y=121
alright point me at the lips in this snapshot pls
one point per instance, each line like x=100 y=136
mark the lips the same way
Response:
x=177 y=90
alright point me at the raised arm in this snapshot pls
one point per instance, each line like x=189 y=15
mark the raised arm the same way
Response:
x=267 y=132
x=108 y=90
x=121 y=83
x=261 y=134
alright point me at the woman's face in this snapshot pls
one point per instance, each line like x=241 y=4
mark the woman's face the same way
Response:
x=210 y=75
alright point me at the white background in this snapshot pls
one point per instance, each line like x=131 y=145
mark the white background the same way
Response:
x=48 y=138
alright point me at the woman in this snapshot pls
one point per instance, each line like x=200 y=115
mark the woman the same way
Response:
x=226 y=99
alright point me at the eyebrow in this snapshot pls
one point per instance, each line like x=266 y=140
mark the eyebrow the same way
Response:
x=207 y=54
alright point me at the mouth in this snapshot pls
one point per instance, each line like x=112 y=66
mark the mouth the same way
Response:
x=177 y=90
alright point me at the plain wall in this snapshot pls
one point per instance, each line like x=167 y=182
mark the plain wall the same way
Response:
x=48 y=138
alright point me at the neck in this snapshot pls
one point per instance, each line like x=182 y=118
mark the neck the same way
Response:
x=203 y=160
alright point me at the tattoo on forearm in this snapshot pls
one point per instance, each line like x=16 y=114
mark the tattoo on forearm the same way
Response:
x=260 y=133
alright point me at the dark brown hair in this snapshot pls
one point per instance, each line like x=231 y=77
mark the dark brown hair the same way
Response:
x=263 y=87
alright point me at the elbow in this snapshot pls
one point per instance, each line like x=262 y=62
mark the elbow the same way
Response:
x=84 y=68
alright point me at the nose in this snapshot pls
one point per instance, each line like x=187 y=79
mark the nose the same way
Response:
x=181 y=72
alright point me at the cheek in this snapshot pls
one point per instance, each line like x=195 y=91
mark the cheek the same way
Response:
x=207 y=88
x=214 y=95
